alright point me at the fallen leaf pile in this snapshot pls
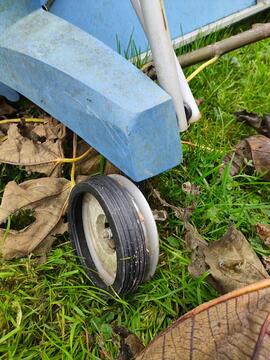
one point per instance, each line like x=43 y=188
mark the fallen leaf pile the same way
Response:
x=233 y=326
x=37 y=145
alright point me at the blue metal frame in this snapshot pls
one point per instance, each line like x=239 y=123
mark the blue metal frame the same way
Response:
x=94 y=91
x=106 y=19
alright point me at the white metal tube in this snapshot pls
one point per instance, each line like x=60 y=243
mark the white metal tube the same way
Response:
x=185 y=89
x=157 y=30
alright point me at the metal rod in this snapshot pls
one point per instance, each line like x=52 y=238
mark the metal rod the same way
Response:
x=185 y=89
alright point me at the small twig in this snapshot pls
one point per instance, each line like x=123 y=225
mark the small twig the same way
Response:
x=189 y=143
x=257 y=33
x=182 y=214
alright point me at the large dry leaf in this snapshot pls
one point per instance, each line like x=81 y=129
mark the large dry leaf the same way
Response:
x=260 y=154
x=264 y=233
x=230 y=261
x=35 y=147
x=260 y=123
x=235 y=326
x=47 y=197
x=251 y=154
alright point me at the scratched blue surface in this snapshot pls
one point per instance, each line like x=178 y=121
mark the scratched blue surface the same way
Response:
x=12 y=10
x=94 y=91
x=110 y=19
x=9 y=93
x=106 y=19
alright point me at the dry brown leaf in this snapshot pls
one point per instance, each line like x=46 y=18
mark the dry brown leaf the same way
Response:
x=160 y=215
x=191 y=189
x=45 y=246
x=48 y=198
x=182 y=214
x=5 y=108
x=51 y=129
x=235 y=326
x=196 y=244
x=34 y=151
x=110 y=168
x=230 y=261
x=91 y=164
x=255 y=149
x=264 y=233
x=260 y=123
x=266 y=262
x=260 y=154
x=130 y=344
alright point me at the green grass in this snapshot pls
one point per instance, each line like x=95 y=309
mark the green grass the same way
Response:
x=51 y=311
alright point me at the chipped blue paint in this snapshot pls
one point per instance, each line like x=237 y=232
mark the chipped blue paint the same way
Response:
x=94 y=91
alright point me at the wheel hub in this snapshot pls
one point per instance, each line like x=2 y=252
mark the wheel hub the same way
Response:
x=99 y=238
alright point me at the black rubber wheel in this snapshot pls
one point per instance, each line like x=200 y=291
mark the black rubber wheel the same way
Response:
x=122 y=223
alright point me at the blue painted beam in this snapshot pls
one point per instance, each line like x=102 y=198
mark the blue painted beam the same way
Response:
x=108 y=19
x=13 y=10
x=9 y=93
x=94 y=91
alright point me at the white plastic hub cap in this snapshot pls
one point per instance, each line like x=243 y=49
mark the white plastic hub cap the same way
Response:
x=147 y=221
x=99 y=239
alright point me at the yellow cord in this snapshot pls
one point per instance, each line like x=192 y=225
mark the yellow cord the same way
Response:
x=28 y=120
x=74 y=160
x=202 y=67
x=73 y=166
x=72 y=175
